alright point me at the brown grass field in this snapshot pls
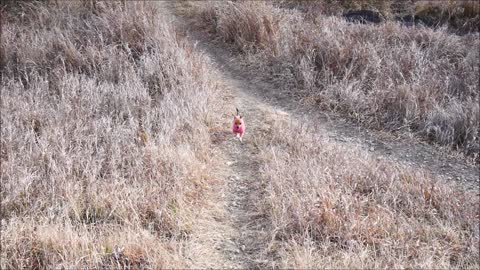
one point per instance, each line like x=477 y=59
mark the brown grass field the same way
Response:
x=105 y=113
x=112 y=121
x=332 y=206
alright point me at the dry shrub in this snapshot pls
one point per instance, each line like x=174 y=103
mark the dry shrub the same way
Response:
x=338 y=207
x=387 y=76
x=105 y=112
x=246 y=30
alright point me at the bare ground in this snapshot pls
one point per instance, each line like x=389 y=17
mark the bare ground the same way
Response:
x=230 y=232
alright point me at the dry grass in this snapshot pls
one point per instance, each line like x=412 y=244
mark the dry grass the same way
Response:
x=104 y=149
x=458 y=16
x=338 y=207
x=333 y=206
x=387 y=76
x=105 y=112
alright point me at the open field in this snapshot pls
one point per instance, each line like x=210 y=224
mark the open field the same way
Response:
x=115 y=148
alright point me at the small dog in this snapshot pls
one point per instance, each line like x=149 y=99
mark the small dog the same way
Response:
x=238 y=125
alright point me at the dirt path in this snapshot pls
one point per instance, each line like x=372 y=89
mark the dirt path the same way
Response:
x=230 y=232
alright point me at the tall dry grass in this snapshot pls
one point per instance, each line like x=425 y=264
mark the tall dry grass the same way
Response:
x=338 y=207
x=457 y=16
x=388 y=76
x=105 y=110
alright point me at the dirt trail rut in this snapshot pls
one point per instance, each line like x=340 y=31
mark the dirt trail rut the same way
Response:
x=230 y=232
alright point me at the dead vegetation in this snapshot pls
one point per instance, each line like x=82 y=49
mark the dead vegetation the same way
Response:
x=105 y=112
x=411 y=79
x=105 y=151
x=333 y=206
x=338 y=207
x=455 y=16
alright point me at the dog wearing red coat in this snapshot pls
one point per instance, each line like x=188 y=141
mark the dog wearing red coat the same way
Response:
x=238 y=125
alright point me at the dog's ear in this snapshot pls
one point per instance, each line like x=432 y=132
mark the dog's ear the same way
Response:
x=241 y=116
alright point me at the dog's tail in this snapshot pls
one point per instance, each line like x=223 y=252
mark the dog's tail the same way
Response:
x=238 y=112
